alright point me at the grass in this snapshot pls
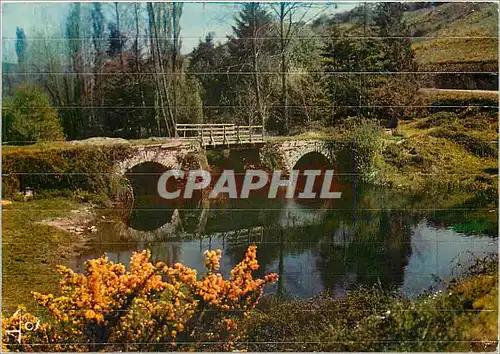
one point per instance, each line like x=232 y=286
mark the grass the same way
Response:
x=456 y=20
x=464 y=317
x=31 y=251
x=480 y=125
x=446 y=151
x=324 y=134
x=62 y=145
x=474 y=51
x=457 y=97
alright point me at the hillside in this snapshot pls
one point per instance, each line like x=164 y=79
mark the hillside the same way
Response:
x=478 y=21
x=438 y=42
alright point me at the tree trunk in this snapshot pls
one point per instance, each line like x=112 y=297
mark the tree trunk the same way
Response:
x=155 y=59
x=117 y=13
x=255 y=66
x=174 y=59
x=137 y=54
x=165 y=86
x=284 y=96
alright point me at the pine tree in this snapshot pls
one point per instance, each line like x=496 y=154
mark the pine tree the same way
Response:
x=250 y=49
x=116 y=41
x=394 y=91
x=343 y=54
x=207 y=62
x=21 y=46
x=396 y=36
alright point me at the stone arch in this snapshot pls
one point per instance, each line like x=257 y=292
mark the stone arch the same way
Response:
x=290 y=152
x=295 y=158
x=147 y=155
x=170 y=155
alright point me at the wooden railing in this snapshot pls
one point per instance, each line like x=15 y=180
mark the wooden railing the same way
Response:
x=221 y=134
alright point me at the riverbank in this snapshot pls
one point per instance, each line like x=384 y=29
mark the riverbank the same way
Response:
x=443 y=151
x=450 y=151
x=460 y=318
x=37 y=236
x=463 y=317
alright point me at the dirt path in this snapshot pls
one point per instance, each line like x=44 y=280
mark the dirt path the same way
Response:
x=77 y=221
x=459 y=91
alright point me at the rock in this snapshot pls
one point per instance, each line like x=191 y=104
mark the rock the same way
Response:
x=79 y=229
x=172 y=144
x=103 y=217
x=71 y=228
x=100 y=141
x=92 y=228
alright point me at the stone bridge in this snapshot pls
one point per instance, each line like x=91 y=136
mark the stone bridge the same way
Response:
x=280 y=153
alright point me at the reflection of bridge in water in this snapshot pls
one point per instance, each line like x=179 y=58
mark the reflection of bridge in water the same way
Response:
x=217 y=222
x=312 y=247
x=365 y=238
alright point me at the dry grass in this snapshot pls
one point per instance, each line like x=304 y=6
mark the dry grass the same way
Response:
x=435 y=152
x=478 y=21
x=31 y=251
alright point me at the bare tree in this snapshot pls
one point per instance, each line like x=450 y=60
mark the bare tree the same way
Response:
x=176 y=29
x=118 y=30
x=137 y=52
x=286 y=12
x=159 y=70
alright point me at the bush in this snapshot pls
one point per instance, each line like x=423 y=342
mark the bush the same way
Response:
x=438 y=119
x=150 y=307
x=389 y=98
x=86 y=168
x=363 y=141
x=29 y=117
x=475 y=145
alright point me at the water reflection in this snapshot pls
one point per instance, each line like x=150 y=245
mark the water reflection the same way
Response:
x=369 y=236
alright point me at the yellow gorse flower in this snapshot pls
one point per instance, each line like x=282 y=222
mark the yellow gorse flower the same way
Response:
x=150 y=305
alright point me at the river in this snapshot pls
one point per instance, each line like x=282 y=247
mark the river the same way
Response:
x=369 y=236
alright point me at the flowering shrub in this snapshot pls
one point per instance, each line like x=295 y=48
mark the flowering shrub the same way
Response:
x=149 y=307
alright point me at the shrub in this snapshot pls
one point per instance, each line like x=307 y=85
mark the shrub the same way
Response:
x=363 y=139
x=88 y=168
x=438 y=119
x=475 y=145
x=390 y=97
x=149 y=307
x=29 y=117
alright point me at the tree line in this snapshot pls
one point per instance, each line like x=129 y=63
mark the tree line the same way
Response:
x=118 y=70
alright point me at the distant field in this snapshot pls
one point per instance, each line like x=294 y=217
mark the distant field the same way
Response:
x=479 y=21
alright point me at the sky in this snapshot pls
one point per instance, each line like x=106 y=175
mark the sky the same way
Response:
x=198 y=19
